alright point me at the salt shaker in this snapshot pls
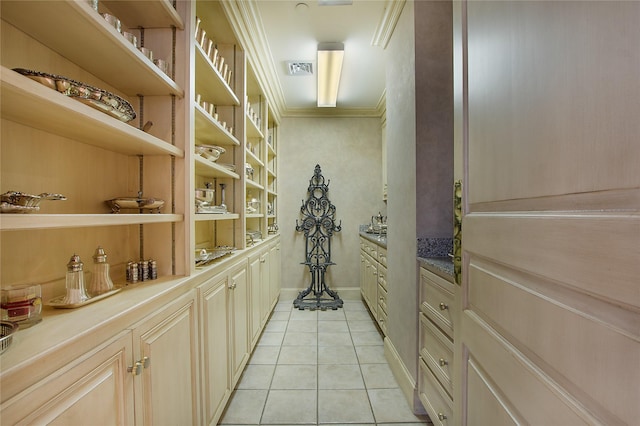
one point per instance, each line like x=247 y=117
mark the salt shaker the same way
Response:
x=100 y=281
x=74 y=283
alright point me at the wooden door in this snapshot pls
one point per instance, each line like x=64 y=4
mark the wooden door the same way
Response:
x=215 y=347
x=166 y=346
x=255 y=288
x=238 y=305
x=547 y=114
x=274 y=273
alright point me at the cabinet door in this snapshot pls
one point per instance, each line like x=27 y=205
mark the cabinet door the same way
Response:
x=255 y=296
x=95 y=386
x=215 y=346
x=265 y=287
x=274 y=273
x=238 y=318
x=165 y=345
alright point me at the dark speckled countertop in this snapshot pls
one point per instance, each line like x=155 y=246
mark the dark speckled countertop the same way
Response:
x=442 y=266
x=433 y=254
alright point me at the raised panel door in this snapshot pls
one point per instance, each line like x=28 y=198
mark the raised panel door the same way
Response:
x=166 y=346
x=238 y=312
x=215 y=347
x=95 y=386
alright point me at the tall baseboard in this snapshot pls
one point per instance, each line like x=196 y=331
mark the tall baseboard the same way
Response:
x=407 y=384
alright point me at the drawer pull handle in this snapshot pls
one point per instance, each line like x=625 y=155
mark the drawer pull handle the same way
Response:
x=443 y=362
x=442 y=416
x=443 y=306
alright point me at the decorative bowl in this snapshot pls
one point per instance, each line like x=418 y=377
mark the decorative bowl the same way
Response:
x=137 y=203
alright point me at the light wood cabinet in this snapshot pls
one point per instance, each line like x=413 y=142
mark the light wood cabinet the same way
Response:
x=435 y=361
x=373 y=280
x=94 y=386
x=137 y=377
x=238 y=313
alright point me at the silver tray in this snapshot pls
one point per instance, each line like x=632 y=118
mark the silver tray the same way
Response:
x=96 y=98
x=206 y=256
x=57 y=302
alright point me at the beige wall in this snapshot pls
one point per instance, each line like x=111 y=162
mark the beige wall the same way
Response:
x=350 y=155
x=420 y=157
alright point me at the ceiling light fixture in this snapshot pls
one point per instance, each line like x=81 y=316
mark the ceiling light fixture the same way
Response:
x=330 y=56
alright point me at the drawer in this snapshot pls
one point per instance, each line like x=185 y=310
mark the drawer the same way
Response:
x=437 y=300
x=437 y=351
x=382 y=320
x=438 y=404
x=382 y=256
x=382 y=299
x=382 y=277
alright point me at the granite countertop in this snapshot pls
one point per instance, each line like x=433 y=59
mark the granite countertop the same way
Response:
x=380 y=240
x=433 y=254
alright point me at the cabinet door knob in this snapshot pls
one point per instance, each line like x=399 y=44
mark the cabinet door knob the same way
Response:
x=146 y=362
x=136 y=369
x=442 y=416
x=443 y=362
x=443 y=306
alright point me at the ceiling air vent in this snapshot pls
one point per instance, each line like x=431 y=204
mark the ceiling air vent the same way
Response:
x=299 y=68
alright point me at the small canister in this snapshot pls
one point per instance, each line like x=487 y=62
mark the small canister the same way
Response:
x=143 y=270
x=132 y=272
x=153 y=269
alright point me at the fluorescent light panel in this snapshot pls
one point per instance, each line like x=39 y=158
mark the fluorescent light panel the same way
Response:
x=329 y=68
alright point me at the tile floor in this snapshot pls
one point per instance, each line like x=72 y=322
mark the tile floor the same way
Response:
x=319 y=367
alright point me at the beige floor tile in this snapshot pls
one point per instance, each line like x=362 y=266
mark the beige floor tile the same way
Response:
x=361 y=325
x=298 y=355
x=297 y=315
x=347 y=376
x=309 y=326
x=271 y=339
x=300 y=338
x=334 y=339
x=337 y=355
x=265 y=355
x=372 y=354
x=358 y=316
x=378 y=376
x=256 y=376
x=245 y=407
x=291 y=407
x=275 y=326
x=364 y=338
x=333 y=327
x=295 y=377
x=344 y=406
x=390 y=406
x=331 y=315
x=280 y=316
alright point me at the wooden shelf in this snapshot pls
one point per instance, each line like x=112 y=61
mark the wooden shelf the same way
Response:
x=254 y=185
x=209 y=82
x=211 y=131
x=14 y=222
x=77 y=32
x=271 y=174
x=272 y=193
x=149 y=14
x=254 y=215
x=32 y=104
x=200 y=217
x=270 y=151
x=252 y=129
x=208 y=168
x=253 y=159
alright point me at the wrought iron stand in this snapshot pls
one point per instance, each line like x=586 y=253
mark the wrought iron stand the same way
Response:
x=318 y=225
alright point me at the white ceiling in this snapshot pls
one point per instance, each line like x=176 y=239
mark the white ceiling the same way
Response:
x=293 y=31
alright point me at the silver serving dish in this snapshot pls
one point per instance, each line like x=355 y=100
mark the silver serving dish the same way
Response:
x=96 y=98
x=206 y=256
x=136 y=203
x=20 y=202
x=210 y=152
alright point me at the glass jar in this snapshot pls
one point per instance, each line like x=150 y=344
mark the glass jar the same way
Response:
x=100 y=281
x=74 y=283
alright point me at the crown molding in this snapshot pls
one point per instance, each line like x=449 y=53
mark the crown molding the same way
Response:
x=387 y=25
x=244 y=18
